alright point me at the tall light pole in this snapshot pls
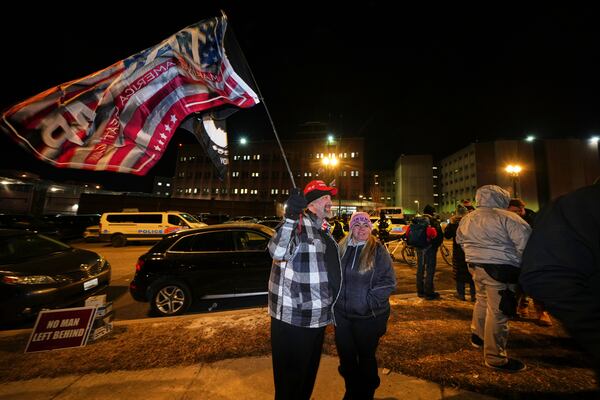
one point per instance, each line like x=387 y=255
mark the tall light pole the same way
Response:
x=513 y=171
x=417 y=203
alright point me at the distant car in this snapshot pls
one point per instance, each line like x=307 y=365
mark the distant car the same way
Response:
x=396 y=227
x=29 y=223
x=242 y=218
x=37 y=272
x=217 y=261
x=92 y=233
x=271 y=223
x=72 y=226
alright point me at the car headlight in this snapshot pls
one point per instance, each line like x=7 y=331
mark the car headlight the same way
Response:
x=28 y=279
x=101 y=263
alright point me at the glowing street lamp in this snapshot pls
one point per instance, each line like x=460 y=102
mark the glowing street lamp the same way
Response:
x=513 y=171
x=331 y=162
x=418 y=206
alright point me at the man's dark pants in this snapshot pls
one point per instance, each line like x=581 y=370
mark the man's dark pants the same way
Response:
x=426 y=263
x=296 y=353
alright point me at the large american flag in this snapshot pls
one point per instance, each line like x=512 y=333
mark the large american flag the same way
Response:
x=122 y=118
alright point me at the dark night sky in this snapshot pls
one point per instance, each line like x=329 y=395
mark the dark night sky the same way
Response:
x=412 y=79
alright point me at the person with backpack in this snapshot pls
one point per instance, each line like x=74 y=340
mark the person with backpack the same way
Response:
x=425 y=234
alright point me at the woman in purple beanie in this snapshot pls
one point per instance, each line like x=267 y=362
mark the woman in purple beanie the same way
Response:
x=362 y=308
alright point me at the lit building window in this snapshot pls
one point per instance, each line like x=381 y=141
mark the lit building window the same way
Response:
x=159 y=183
x=168 y=184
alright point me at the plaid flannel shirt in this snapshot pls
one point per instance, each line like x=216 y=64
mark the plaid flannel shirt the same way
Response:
x=299 y=292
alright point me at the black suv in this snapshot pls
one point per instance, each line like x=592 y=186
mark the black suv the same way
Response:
x=217 y=261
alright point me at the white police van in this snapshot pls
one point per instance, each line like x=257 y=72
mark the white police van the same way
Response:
x=119 y=227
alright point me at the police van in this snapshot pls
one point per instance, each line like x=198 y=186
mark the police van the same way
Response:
x=119 y=227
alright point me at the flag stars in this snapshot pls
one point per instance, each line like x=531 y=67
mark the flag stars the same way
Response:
x=173 y=118
x=163 y=136
x=157 y=148
x=167 y=128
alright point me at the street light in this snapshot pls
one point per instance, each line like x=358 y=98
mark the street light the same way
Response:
x=331 y=162
x=513 y=171
x=417 y=203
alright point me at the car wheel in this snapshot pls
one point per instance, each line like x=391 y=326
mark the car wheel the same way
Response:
x=171 y=298
x=118 y=240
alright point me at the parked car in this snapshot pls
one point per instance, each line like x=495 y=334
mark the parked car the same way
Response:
x=271 y=223
x=92 y=234
x=242 y=218
x=29 y=223
x=72 y=226
x=37 y=272
x=119 y=227
x=212 y=219
x=225 y=260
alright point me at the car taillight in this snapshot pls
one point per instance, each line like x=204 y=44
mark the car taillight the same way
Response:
x=139 y=265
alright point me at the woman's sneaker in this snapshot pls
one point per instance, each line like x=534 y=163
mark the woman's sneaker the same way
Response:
x=476 y=341
x=513 y=365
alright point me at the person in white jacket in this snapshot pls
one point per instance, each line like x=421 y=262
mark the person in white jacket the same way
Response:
x=493 y=240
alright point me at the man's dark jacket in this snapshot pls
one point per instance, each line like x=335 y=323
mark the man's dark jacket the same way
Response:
x=561 y=265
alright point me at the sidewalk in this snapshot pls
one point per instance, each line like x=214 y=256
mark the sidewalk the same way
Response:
x=235 y=379
x=246 y=378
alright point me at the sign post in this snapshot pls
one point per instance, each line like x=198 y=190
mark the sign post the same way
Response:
x=59 y=329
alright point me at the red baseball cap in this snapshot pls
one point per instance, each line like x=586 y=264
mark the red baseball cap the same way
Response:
x=316 y=189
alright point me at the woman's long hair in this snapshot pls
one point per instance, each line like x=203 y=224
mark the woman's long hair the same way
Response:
x=366 y=261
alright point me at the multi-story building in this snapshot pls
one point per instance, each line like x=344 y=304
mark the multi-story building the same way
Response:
x=257 y=170
x=381 y=187
x=546 y=169
x=163 y=186
x=414 y=176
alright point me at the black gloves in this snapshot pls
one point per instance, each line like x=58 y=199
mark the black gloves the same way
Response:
x=296 y=203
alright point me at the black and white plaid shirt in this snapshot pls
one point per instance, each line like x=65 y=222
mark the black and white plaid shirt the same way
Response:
x=299 y=292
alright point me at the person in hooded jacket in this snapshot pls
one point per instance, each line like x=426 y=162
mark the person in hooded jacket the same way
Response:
x=362 y=308
x=493 y=240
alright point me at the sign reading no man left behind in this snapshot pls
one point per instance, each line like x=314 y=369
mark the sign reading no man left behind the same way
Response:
x=59 y=329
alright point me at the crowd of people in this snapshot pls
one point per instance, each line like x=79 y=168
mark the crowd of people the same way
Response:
x=330 y=271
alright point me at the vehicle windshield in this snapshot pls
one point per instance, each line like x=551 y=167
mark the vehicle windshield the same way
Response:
x=22 y=247
x=189 y=218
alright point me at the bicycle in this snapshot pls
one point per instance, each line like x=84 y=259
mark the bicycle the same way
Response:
x=446 y=254
x=409 y=254
x=393 y=247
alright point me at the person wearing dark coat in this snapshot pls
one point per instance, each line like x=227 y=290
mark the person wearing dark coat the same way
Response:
x=460 y=270
x=561 y=265
x=362 y=308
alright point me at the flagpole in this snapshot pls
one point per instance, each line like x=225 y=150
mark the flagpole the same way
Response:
x=262 y=99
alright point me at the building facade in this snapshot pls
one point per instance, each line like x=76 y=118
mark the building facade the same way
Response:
x=381 y=187
x=257 y=170
x=414 y=175
x=547 y=169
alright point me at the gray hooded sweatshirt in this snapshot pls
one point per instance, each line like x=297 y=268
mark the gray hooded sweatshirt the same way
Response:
x=491 y=234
